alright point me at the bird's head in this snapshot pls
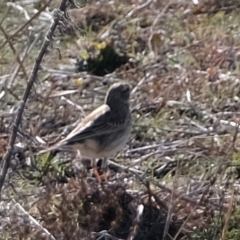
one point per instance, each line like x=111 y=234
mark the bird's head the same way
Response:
x=118 y=92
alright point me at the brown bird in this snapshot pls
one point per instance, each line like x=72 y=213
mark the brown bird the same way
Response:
x=104 y=131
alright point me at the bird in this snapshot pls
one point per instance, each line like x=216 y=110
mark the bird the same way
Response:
x=104 y=132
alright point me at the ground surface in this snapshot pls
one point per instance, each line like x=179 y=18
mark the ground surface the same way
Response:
x=178 y=177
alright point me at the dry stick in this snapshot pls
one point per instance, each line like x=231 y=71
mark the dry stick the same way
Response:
x=138 y=9
x=14 y=52
x=5 y=15
x=33 y=220
x=22 y=58
x=227 y=217
x=185 y=198
x=192 y=212
x=7 y=157
x=39 y=124
x=170 y=208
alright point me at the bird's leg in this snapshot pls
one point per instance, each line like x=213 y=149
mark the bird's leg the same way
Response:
x=78 y=163
x=79 y=154
x=105 y=169
x=94 y=166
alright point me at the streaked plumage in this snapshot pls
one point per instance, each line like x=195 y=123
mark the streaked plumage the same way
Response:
x=104 y=131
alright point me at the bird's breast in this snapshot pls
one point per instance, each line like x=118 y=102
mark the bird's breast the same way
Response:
x=103 y=146
x=89 y=148
x=112 y=143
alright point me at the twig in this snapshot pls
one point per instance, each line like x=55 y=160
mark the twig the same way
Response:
x=143 y=158
x=7 y=157
x=5 y=15
x=224 y=122
x=161 y=14
x=123 y=168
x=186 y=198
x=104 y=235
x=63 y=93
x=34 y=221
x=73 y=104
x=199 y=203
x=22 y=58
x=138 y=9
x=14 y=52
x=163 y=147
x=138 y=85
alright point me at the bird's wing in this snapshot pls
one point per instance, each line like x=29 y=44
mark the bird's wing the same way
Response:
x=96 y=123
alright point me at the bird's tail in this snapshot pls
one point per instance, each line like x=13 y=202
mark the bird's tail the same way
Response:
x=50 y=149
x=56 y=148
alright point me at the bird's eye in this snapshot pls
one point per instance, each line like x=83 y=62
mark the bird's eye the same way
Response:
x=125 y=92
x=126 y=88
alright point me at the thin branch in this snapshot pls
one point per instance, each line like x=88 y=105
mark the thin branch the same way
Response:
x=138 y=9
x=7 y=157
x=5 y=15
x=14 y=52
x=22 y=59
x=33 y=220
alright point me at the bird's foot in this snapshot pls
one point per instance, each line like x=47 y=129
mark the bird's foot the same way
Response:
x=95 y=171
x=105 y=177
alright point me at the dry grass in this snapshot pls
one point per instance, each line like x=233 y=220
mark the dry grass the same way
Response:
x=178 y=177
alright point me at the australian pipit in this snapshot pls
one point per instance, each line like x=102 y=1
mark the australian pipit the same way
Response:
x=104 y=131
